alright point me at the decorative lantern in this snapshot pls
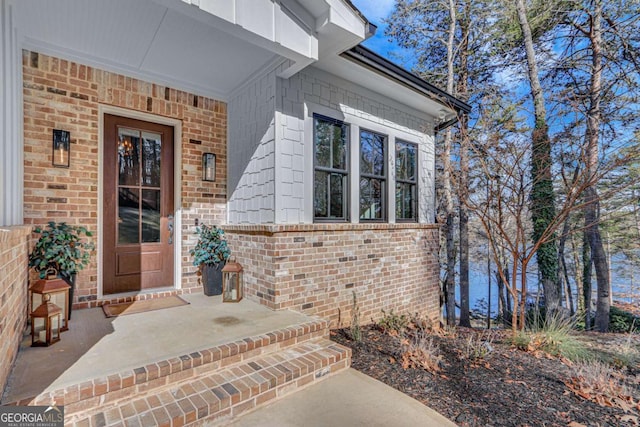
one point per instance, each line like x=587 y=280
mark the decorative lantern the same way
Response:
x=232 y=282
x=58 y=291
x=45 y=323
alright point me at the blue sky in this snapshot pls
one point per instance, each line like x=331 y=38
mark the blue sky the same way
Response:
x=376 y=11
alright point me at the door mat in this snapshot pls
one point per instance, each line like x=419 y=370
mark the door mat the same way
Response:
x=113 y=310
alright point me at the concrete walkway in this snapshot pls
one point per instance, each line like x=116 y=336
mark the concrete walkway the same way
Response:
x=348 y=399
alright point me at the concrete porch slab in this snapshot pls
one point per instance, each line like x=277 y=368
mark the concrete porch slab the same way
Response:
x=348 y=398
x=96 y=346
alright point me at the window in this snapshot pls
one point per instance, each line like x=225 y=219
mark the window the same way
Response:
x=372 y=176
x=406 y=181
x=331 y=175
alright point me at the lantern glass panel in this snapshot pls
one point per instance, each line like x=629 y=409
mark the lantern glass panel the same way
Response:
x=39 y=330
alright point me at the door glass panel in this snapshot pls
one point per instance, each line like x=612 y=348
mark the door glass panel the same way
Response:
x=151 y=146
x=128 y=215
x=150 y=216
x=128 y=156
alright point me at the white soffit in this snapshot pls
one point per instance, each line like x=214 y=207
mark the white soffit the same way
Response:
x=142 y=39
x=384 y=86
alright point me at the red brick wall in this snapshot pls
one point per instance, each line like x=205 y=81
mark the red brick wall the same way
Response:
x=60 y=94
x=14 y=251
x=316 y=268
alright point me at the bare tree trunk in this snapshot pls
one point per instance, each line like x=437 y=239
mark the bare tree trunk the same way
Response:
x=463 y=182
x=586 y=280
x=446 y=162
x=564 y=273
x=542 y=196
x=592 y=210
x=578 y=275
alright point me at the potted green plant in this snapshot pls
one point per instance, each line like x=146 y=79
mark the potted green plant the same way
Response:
x=210 y=254
x=61 y=246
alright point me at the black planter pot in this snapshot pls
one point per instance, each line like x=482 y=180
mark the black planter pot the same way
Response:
x=71 y=281
x=212 y=279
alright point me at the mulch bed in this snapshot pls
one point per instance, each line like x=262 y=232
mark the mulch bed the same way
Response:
x=507 y=387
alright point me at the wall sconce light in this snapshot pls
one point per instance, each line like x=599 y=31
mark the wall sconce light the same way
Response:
x=61 y=148
x=209 y=167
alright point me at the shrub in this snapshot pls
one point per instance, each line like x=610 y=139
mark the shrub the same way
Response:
x=554 y=336
x=478 y=347
x=622 y=321
x=392 y=323
x=421 y=352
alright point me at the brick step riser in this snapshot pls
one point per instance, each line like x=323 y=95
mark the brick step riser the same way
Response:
x=79 y=397
x=226 y=393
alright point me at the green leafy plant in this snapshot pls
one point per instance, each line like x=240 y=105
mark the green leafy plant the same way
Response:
x=393 y=323
x=61 y=246
x=623 y=321
x=211 y=248
x=555 y=336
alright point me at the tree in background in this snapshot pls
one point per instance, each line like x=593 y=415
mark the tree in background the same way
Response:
x=450 y=39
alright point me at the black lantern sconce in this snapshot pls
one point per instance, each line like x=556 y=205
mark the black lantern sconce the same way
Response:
x=209 y=167
x=61 y=148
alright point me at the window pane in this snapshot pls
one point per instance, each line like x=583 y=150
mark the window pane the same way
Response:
x=128 y=215
x=151 y=146
x=150 y=216
x=128 y=156
x=337 y=195
x=331 y=144
x=321 y=208
x=371 y=198
x=372 y=153
x=406 y=161
x=339 y=147
x=406 y=201
x=323 y=144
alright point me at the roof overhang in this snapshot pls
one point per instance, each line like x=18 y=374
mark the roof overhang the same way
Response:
x=451 y=105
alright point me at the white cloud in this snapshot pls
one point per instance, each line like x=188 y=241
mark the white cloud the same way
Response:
x=375 y=10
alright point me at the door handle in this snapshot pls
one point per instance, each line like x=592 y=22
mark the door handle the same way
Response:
x=170 y=226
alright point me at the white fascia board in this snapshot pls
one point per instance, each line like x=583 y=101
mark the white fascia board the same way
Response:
x=345 y=17
x=278 y=26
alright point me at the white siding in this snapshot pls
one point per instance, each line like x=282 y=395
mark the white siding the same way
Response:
x=251 y=152
x=313 y=90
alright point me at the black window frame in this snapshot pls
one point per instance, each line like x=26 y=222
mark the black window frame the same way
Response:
x=383 y=178
x=413 y=182
x=344 y=172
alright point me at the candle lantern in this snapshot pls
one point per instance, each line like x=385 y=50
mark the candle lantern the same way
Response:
x=61 y=148
x=45 y=323
x=232 y=282
x=58 y=292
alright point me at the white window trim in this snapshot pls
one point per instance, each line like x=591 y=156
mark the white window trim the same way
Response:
x=355 y=124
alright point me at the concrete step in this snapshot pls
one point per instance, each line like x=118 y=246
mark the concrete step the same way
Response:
x=220 y=381
x=217 y=396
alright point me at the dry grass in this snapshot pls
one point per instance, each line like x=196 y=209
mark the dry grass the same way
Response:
x=421 y=352
x=600 y=383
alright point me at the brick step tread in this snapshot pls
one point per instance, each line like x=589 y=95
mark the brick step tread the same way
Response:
x=188 y=365
x=225 y=392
